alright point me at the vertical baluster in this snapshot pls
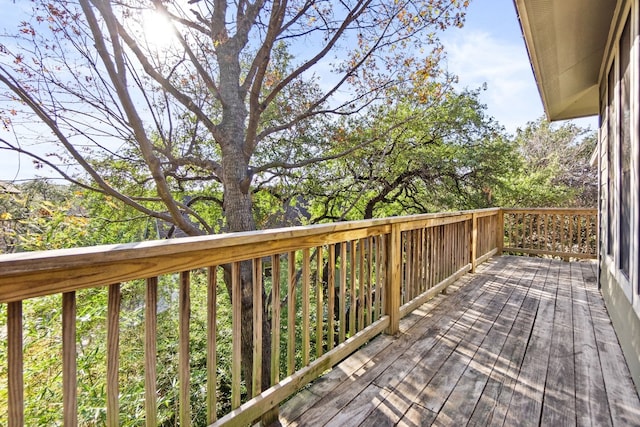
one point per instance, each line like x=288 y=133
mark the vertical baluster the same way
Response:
x=510 y=227
x=578 y=233
x=452 y=247
x=443 y=252
x=571 y=220
x=425 y=260
x=587 y=234
x=446 y=240
x=433 y=264
x=461 y=246
x=413 y=264
x=256 y=377
x=531 y=218
x=291 y=314
x=562 y=233
x=184 y=302
x=212 y=337
x=435 y=260
x=369 y=267
x=455 y=246
x=498 y=232
x=417 y=265
x=587 y=230
x=352 y=289
x=332 y=297
x=306 y=285
x=538 y=218
x=377 y=241
x=394 y=279
x=342 y=296
x=431 y=260
x=69 y=367
x=384 y=256
x=113 y=344
x=275 y=319
x=553 y=232
x=150 y=351
x=522 y=230
x=361 y=283
x=236 y=326
x=319 y=301
x=474 y=241
x=459 y=243
x=15 y=368
x=545 y=232
x=405 y=265
x=463 y=239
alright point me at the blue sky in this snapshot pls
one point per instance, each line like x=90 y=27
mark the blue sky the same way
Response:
x=489 y=49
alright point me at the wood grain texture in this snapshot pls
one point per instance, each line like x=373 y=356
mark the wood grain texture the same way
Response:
x=319 y=302
x=291 y=313
x=236 y=325
x=275 y=319
x=15 y=378
x=591 y=397
x=69 y=365
x=30 y=274
x=474 y=243
x=212 y=338
x=524 y=341
x=306 y=309
x=252 y=409
x=331 y=290
x=113 y=355
x=393 y=280
x=379 y=264
x=184 y=371
x=352 y=288
x=256 y=375
x=151 y=352
x=342 y=294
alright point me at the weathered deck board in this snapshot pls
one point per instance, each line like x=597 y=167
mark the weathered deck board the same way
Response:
x=523 y=341
x=492 y=406
x=591 y=399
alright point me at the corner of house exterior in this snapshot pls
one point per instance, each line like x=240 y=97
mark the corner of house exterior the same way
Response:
x=625 y=322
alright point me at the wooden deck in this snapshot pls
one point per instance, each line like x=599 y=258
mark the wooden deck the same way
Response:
x=523 y=341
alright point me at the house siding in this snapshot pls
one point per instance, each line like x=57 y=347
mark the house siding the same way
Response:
x=620 y=239
x=625 y=322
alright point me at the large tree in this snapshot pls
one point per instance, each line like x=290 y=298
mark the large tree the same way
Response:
x=554 y=167
x=447 y=155
x=171 y=129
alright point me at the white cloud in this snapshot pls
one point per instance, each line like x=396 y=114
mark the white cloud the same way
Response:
x=477 y=57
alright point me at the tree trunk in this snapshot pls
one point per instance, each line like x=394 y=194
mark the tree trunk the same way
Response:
x=238 y=208
x=238 y=212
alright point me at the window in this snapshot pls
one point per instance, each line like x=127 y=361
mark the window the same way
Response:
x=624 y=157
x=611 y=165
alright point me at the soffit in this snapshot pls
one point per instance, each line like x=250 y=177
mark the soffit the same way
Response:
x=566 y=42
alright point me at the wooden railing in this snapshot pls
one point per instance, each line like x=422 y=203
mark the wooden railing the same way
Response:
x=318 y=292
x=562 y=233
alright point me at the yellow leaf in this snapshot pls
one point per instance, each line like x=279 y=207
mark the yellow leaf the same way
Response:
x=5 y=216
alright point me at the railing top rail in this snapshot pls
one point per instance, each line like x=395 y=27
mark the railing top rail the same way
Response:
x=557 y=211
x=30 y=274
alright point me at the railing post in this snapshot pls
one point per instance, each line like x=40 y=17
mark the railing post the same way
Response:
x=474 y=241
x=500 y=232
x=392 y=291
x=113 y=355
x=15 y=365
